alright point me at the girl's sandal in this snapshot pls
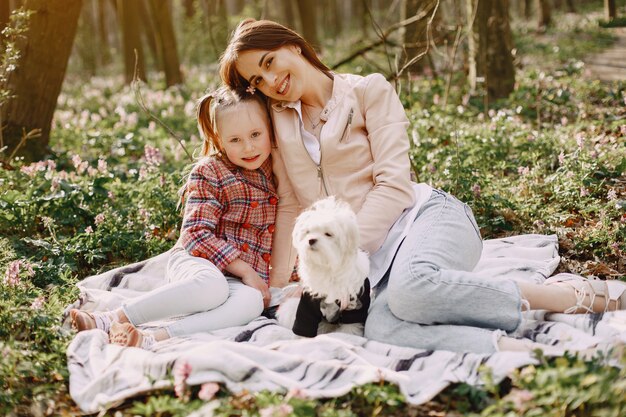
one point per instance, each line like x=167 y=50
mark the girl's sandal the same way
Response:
x=83 y=320
x=612 y=291
x=125 y=334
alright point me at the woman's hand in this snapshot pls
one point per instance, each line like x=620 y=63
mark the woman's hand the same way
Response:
x=255 y=281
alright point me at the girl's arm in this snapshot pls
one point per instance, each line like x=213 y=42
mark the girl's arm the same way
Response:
x=386 y=124
x=203 y=211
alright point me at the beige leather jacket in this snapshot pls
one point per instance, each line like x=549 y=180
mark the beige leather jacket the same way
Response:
x=364 y=161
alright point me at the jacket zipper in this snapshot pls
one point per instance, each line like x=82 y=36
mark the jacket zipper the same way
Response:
x=345 y=129
x=320 y=172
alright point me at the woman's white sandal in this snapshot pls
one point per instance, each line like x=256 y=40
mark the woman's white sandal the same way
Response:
x=610 y=290
x=125 y=334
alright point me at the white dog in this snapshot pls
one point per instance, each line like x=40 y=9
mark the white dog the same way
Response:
x=333 y=271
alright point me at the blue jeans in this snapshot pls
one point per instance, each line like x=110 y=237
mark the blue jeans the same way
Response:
x=431 y=299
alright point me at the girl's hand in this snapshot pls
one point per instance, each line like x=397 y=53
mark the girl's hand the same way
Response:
x=249 y=277
x=253 y=280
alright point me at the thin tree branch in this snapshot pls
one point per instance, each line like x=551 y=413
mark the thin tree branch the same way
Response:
x=136 y=86
x=421 y=54
x=383 y=38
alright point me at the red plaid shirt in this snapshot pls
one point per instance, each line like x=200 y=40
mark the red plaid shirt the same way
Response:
x=230 y=213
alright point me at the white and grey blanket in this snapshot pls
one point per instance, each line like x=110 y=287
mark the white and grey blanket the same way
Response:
x=265 y=356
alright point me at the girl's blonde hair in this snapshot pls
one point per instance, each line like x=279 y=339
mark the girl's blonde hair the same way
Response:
x=208 y=107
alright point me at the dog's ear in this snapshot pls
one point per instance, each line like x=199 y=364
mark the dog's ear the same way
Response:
x=349 y=236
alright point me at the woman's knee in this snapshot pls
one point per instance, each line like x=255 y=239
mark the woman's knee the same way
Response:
x=415 y=292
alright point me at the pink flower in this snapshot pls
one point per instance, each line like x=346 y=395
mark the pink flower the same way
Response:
x=584 y=192
x=111 y=195
x=282 y=410
x=37 y=303
x=79 y=164
x=99 y=219
x=13 y=272
x=88 y=230
x=612 y=194
x=523 y=170
x=208 y=391
x=580 y=139
x=102 y=166
x=476 y=190
x=251 y=89
x=181 y=370
x=143 y=173
x=295 y=393
x=152 y=155
x=561 y=158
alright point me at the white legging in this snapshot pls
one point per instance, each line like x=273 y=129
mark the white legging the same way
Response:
x=199 y=292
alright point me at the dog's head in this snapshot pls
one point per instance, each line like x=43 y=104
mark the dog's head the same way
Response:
x=326 y=234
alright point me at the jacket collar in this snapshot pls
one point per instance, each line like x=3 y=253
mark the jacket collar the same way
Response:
x=340 y=87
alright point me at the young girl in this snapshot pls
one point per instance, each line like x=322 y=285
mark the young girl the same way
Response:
x=219 y=269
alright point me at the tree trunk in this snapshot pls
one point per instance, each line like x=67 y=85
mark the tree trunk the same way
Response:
x=5 y=12
x=37 y=80
x=308 y=18
x=166 y=41
x=609 y=10
x=490 y=48
x=87 y=46
x=131 y=39
x=288 y=12
x=103 y=34
x=528 y=9
x=545 y=14
x=570 y=6
x=149 y=33
x=190 y=9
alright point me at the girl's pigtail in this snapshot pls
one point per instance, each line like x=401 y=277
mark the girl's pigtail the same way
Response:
x=207 y=124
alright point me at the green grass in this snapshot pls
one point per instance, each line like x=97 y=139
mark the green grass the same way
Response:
x=549 y=159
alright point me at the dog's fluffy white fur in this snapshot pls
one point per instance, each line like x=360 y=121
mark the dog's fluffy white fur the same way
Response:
x=331 y=265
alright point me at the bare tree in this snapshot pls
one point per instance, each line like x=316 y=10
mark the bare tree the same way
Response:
x=545 y=13
x=490 y=46
x=103 y=33
x=289 y=14
x=5 y=12
x=35 y=91
x=609 y=10
x=131 y=39
x=166 y=41
x=308 y=17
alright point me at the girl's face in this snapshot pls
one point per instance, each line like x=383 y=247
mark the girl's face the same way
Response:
x=245 y=134
x=281 y=74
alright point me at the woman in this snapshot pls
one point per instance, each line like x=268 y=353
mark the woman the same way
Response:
x=345 y=135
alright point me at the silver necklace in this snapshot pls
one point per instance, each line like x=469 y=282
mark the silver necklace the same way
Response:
x=313 y=125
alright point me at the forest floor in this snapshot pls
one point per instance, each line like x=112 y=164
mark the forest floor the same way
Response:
x=550 y=159
x=610 y=64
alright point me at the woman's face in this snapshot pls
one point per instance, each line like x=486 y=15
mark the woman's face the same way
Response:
x=281 y=74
